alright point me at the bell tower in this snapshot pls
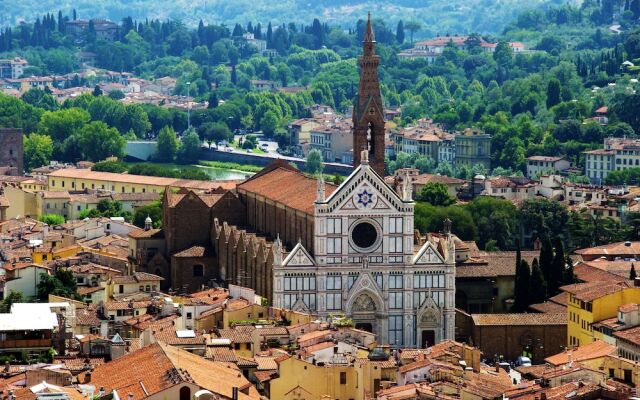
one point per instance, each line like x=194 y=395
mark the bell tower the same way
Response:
x=368 y=117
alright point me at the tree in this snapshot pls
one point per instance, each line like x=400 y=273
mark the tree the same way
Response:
x=37 y=150
x=97 y=91
x=413 y=27
x=546 y=258
x=522 y=285
x=62 y=283
x=400 y=32
x=436 y=194
x=52 y=219
x=553 y=93
x=190 y=150
x=116 y=167
x=213 y=100
x=543 y=217
x=40 y=98
x=538 y=285
x=269 y=123
x=96 y=141
x=9 y=299
x=314 y=164
x=116 y=94
x=556 y=277
x=167 y=147
x=214 y=132
x=495 y=219
x=632 y=273
x=153 y=211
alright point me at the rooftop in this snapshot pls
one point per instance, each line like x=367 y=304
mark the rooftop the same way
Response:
x=519 y=319
x=590 y=291
x=585 y=352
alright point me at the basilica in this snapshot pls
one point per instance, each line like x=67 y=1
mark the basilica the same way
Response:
x=305 y=244
x=366 y=261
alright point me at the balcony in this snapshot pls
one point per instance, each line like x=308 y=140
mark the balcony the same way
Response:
x=24 y=343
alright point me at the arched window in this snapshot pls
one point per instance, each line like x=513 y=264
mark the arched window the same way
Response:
x=147 y=288
x=185 y=393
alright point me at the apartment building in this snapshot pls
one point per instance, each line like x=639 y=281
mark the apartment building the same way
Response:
x=618 y=154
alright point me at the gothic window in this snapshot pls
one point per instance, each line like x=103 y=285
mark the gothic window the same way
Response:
x=334 y=225
x=378 y=277
x=351 y=279
x=334 y=301
x=395 y=329
x=395 y=281
x=419 y=298
x=395 y=225
x=334 y=245
x=334 y=282
x=395 y=300
x=395 y=244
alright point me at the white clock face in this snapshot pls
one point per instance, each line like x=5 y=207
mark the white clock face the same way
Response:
x=365 y=198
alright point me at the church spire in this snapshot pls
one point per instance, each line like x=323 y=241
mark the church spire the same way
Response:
x=368 y=33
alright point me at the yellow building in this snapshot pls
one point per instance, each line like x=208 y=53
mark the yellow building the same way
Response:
x=33 y=185
x=21 y=203
x=44 y=254
x=588 y=303
x=299 y=379
x=80 y=179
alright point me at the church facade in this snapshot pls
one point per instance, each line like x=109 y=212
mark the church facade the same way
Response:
x=366 y=261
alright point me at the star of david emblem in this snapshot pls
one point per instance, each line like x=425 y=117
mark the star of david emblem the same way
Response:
x=365 y=198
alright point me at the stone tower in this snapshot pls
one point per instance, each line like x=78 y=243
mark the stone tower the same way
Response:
x=368 y=116
x=11 y=149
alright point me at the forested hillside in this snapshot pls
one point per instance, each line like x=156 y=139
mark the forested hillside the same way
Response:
x=437 y=16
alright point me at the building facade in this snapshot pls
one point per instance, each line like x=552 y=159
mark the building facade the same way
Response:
x=365 y=265
x=13 y=68
x=618 y=154
x=473 y=147
x=540 y=165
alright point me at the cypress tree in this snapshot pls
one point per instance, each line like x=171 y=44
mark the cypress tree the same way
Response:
x=632 y=273
x=546 y=258
x=400 y=32
x=521 y=292
x=538 y=285
x=557 y=269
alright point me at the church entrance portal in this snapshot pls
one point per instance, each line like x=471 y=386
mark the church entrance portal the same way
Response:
x=428 y=338
x=363 y=313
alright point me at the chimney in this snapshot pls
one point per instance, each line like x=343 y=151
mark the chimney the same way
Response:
x=543 y=396
x=498 y=367
x=234 y=393
x=87 y=377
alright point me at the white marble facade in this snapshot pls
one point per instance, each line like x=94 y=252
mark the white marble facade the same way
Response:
x=367 y=267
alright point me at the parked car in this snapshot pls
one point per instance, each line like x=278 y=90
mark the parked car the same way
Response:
x=523 y=361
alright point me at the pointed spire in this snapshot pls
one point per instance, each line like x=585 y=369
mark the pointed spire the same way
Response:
x=368 y=34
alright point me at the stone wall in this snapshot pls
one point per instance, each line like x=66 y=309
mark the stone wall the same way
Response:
x=11 y=149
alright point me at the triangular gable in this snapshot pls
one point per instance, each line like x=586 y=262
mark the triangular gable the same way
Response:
x=361 y=176
x=428 y=255
x=364 y=117
x=300 y=305
x=299 y=257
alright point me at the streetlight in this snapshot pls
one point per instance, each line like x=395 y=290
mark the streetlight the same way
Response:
x=188 y=107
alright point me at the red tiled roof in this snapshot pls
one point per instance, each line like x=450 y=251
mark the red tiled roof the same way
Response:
x=286 y=186
x=195 y=251
x=585 y=352
x=519 y=319
x=590 y=291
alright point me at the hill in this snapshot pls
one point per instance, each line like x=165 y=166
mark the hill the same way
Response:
x=436 y=16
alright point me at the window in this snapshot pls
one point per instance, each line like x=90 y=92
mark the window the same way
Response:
x=334 y=245
x=395 y=244
x=334 y=225
x=351 y=279
x=141 y=288
x=423 y=281
x=395 y=225
x=62 y=183
x=334 y=301
x=378 y=277
x=83 y=185
x=121 y=288
x=395 y=281
x=419 y=298
x=343 y=378
x=147 y=288
x=334 y=282
x=395 y=300
x=395 y=330
x=189 y=315
x=198 y=270
x=299 y=283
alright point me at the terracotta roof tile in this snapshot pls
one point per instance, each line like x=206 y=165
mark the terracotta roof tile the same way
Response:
x=147 y=234
x=225 y=354
x=585 y=352
x=237 y=334
x=519 y=319
x=590 y=291
x=285 y=186
x=614 y=249
x=195 y=251
x=88 y=316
